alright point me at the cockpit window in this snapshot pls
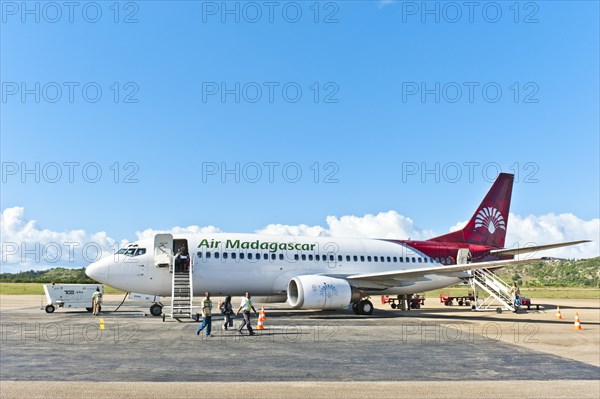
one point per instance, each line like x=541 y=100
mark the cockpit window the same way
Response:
x=131 y=251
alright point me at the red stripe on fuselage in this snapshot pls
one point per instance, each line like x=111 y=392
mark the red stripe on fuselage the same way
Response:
x=433 y=249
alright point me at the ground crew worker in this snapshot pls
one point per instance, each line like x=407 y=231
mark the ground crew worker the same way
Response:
x=515 y=294
x=207 y=312
x=246 y=306
x=96 y=301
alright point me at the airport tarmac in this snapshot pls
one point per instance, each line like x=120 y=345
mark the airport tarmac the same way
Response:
x=436 y=351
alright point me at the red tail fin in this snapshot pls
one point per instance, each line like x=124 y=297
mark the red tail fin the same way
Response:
x=489 y=222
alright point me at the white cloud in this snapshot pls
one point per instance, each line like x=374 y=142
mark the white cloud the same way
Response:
x=551 y=228
x=383 y=225
x=193 y=229
x=26 y=246
x=383 y=3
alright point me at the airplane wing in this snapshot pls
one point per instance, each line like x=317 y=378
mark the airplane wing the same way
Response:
x=524 y=250
x=397 y=277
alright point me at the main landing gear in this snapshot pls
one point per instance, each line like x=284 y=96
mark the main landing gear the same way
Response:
x=362 y=307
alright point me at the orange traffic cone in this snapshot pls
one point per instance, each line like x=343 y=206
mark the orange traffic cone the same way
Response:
x=558 y=315
x=577 y=325
x=261 y=319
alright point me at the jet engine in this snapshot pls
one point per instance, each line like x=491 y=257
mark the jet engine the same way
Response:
x=320 y=292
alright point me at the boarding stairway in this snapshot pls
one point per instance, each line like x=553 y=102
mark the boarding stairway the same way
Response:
x=182 y=293
x=495 y=292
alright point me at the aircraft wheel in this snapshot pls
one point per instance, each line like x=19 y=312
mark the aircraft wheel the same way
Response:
x=417 y=306
x=50 y=308
x=498 y=310
x=156 y=310
x=393 y=306
x=355 y=308
x=365 y=307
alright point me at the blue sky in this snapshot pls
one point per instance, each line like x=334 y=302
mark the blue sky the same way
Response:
x=165 y=125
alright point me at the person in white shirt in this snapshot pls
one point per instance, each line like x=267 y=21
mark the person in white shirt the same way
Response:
x=245 y=307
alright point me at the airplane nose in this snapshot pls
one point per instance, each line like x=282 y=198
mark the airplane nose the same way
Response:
x=98 y=271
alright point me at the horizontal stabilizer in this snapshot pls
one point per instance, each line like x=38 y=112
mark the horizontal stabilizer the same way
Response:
x=525 y=250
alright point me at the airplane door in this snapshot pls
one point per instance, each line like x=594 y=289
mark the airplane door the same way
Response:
x=463 y=257
x=163 y=250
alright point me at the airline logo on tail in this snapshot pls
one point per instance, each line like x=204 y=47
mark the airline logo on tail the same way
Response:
x=491 y=219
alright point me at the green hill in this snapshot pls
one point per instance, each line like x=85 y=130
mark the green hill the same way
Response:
x=555 y=273
x=56 y=275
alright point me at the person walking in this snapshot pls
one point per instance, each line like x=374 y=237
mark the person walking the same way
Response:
x=246 y=306
x=207 y=313
x=96 y=301
x=227 y=311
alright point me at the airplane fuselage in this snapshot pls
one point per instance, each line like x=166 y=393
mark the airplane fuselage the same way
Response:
x=263 y=264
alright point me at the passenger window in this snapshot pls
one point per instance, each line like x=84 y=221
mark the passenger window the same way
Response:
x=241 y=255
x=389 y=259
x=331 y=258
x=217 y=255
x=249 y=255
x=340 y=258
x=375 y=258
x=414 y=260
x=208 y=255
x=401 y=259
x=296 y=257
x=362 y=258
x=407 y=259
x=199 y=254
x=449 y=261
x=273 y=256
x=266 y=256
x=280 y=256
x=310 y=257
x=317 y=258
x=303 y=257
x=225 y=255
x=419 y=260
x=368 y=258
x=355 y=258
x=394 y=259
x=347 y=258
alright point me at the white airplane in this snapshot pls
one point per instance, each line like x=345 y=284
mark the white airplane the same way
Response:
x=318 y=272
